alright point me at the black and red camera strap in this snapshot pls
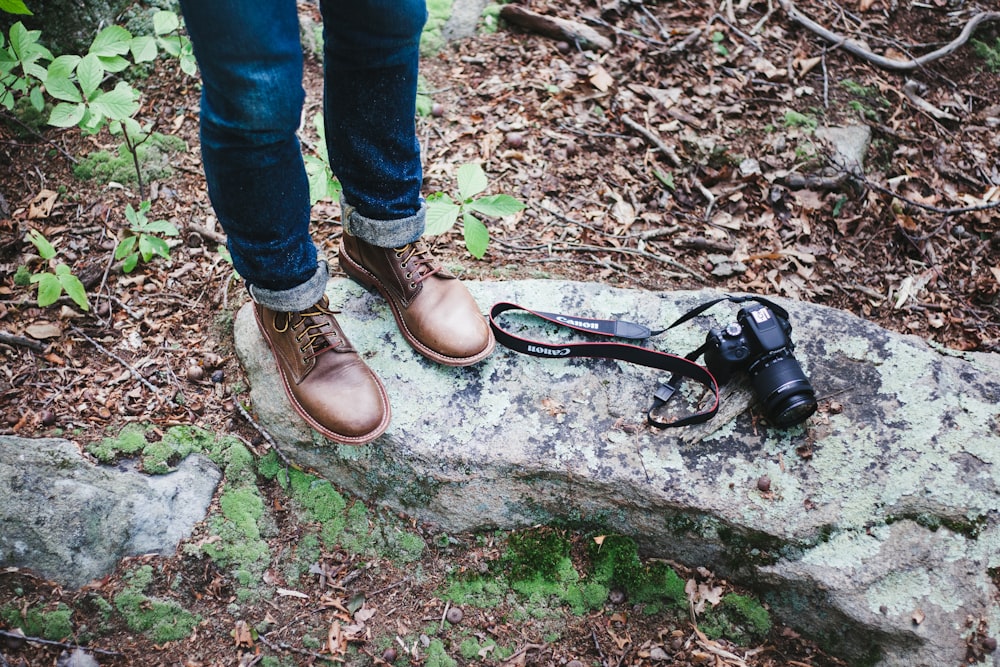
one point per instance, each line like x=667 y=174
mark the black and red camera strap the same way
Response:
x=681 y=368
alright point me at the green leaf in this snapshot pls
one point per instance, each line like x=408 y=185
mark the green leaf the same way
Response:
x=66 y=115
x=188 y=64
x=471 y=181
x=165 y=21
x=74 y=288
x=153 y=245
x=125 y=247
x=89 y=74
x=442 y=213
x=171 y=46
x=49 y=288
x=112 y=41
x=161 y=227
x=477 y=237
x=143 y=48
x=57 y=81
x=45 y=249
x=14 y=7
x=37 y=99
x=496 y=205
x=114 y=63
x=319 y=179
x=130 y=262
x=117 y=104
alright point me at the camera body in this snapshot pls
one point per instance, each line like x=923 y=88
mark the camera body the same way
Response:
x=759 y=342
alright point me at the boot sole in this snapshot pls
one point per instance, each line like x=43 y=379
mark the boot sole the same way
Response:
x=339 y=438
x=368 y=279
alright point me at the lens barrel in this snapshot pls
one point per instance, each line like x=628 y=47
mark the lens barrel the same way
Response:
x=783 y=389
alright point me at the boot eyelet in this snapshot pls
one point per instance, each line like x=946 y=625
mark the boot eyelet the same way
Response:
x=408 y=275
x=413 y=286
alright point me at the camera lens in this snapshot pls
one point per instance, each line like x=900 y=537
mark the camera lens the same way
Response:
x=778 y=381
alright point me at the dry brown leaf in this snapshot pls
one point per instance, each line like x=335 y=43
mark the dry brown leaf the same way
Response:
x=41 y=330
x=600 y=78
x=241 y=634
x=41 y=206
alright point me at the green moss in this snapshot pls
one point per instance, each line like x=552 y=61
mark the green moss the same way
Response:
x=538 y=552
x=437 y=656
x=301 y=557
x=472 y=649
x=739 y=618
x=154 y=155
x=482 y=592
x=438 y=12
x=131 y=440
x=54 y=625
x=161 y=620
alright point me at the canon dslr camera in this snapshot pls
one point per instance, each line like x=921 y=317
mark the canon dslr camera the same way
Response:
x=760 y=342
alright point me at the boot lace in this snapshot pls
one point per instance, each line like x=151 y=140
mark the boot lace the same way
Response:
x=314 y=338
x=425 y=265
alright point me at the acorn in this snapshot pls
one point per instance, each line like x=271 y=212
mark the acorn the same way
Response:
x=454 y=615
x=389 y=655
x=195 y=373
x=764 y=484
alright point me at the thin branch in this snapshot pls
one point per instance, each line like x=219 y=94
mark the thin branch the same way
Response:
x=632 y=251
x=674 y=159
x=856 y=48
x=264 y=434
x=11 y=339
x=49 y=642
x=121 y=361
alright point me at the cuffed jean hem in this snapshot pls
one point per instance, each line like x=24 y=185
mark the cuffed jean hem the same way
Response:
x=297 y=298
x=383 y=233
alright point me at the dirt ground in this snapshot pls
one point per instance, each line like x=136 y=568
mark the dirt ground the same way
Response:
x=683 y=155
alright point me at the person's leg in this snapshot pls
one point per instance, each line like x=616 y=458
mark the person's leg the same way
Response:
x=251 y=67
x=250 y=59
x=371 y=60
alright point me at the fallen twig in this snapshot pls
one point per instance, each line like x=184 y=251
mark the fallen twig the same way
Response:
x=11 y=339
x=632 y=251
x=264 y=434
x=48 y=642
x=121 y=361
x=555 y=28
x=856 y=48
x=674 y=159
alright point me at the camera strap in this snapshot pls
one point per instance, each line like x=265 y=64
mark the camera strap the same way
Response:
x=679 y=367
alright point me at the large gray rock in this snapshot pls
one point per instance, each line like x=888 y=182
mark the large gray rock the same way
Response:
x=72 y=521
x=882 y=509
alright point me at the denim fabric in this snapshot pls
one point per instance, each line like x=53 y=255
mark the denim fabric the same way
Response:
x=383 y=233
x=251 y=63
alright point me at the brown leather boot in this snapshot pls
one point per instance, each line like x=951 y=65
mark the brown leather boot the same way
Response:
x=325 y=379
x=433 y=309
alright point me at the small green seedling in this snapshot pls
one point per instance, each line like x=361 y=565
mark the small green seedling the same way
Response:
x=52 y=284
x=141 y=242
x=443 y=212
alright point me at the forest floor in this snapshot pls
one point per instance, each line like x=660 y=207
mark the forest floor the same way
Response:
x=685 y=154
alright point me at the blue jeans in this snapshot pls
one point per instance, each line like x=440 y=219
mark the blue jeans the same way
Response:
x=250 y=59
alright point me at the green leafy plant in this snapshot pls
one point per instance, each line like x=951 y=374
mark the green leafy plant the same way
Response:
x=167 y=26
x=322 y=183
x=21 y=69
x=804 y=121
x=51 y=284
x=142 y=242
x=989 y=53
x=443 y=211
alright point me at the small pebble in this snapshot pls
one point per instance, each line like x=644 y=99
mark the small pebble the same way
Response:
x=195 y=373
x=515 y=139
x=574 y=663
x=454 y=615
x=389 y=655
x=48 y=418
x=218 y=376
x=437 y=109
x=616 y=596
x=764 y=484
x=563 y=47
